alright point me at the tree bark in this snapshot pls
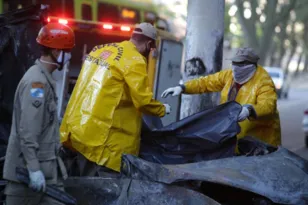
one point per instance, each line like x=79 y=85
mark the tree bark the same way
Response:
x=290 y=58
x=282 y=36
x=248 y=25
x=273 y=55
x=282 y=52
x=305 y=40
x=204 y=39
x=268 y=30
x=306 y=63
x=262 y=44
x=293 y=47
x=299 y=64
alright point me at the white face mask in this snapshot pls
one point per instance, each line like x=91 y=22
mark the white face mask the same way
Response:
x=67 y=57
x=242 y=74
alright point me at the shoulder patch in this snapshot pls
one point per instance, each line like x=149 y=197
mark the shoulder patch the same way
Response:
x=37 y=103
x=105 y=54
x=37 y=85
x=37 y=92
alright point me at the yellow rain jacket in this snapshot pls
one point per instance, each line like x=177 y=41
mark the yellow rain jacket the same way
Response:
x=103 y=117
x=259 y=92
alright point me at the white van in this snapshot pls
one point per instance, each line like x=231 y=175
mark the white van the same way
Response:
x=280 y=81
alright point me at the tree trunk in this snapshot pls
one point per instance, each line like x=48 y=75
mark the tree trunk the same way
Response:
x=299 y=64
x=248 y=26
x=282 y=36
x=204 y=39
x=263 y=42
x=305 y=39
x=282 y=53
x=268 y=31
x=273 y=55
x=293 y=48
x=294 y=45
x=306 y=63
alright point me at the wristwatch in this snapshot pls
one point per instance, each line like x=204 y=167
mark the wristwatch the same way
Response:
x=252 y=112
x=183 y=87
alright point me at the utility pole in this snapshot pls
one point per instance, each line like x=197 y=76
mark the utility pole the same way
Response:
x=204 y=39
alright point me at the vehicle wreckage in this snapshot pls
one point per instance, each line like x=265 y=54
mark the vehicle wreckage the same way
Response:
x=191 y=161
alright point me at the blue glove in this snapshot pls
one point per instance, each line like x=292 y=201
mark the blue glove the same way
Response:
x=37 y=181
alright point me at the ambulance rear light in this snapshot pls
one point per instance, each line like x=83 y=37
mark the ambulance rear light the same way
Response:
x=107 y=26
x=125 y=28
x=63 y=21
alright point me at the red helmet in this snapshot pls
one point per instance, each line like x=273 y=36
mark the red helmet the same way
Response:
x=55 y=35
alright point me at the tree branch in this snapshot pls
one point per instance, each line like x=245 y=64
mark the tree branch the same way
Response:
x=239 y=4
x=254 y=16
x=269 y=28
x=301 y=6
x=248 y=26
x=285 y=12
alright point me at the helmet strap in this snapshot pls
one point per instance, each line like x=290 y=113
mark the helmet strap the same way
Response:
x=55 y=64
x=60 y=64
x=53 y=57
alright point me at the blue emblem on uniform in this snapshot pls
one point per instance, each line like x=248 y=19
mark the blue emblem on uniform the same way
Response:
x=37 y=92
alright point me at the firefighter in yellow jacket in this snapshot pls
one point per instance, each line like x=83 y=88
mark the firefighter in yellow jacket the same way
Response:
x=103 y=117
x=248 y=84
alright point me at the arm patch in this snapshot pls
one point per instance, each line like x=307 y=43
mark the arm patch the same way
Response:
x=37 y=92
x=37 y=85
x=37 y=103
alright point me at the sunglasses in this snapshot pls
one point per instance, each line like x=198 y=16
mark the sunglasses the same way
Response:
x=244 y=63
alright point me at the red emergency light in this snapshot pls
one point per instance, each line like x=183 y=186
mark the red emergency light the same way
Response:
x=48 y=19
x=125 y=28
x=63 y=21
x=107 y=26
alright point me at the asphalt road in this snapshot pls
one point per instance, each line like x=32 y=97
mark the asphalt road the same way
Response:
x=291 y=115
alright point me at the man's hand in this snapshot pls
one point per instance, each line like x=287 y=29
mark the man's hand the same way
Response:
x=37 y=181
x=175 y=91
x=168 y=108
